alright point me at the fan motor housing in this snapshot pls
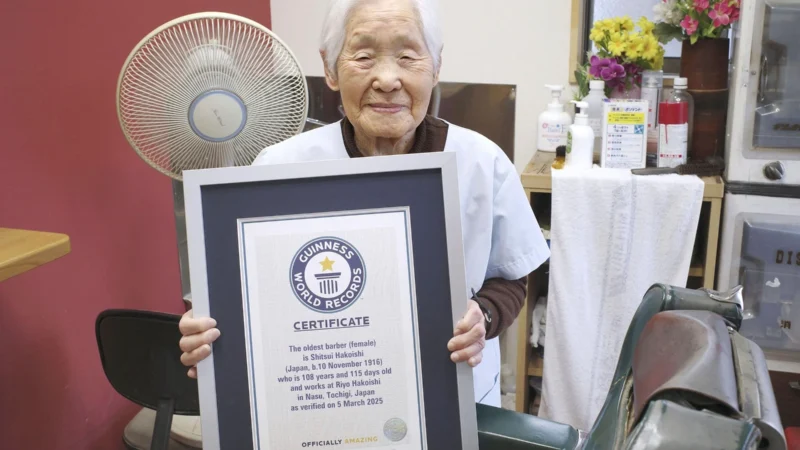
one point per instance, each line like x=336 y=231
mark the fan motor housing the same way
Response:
x=217 y=115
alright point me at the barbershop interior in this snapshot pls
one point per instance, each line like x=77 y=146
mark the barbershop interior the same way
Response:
x=620 y=260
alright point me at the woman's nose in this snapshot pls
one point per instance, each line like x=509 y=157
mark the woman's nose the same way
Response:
x=387 y=77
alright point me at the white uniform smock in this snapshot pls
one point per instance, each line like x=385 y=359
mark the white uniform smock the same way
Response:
x=501 y=236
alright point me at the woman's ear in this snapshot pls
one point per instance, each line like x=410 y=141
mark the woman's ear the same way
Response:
x=330 y=78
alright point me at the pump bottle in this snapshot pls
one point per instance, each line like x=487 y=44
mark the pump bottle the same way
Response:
x=580 y=139
x=553 y=123
x=595 y=99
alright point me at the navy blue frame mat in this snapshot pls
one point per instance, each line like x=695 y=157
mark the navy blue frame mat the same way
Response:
x=421 y=192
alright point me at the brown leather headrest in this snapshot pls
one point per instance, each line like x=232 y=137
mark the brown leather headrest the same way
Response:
x=685 y=356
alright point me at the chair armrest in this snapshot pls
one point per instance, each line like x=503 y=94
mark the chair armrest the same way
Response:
x=501 y=429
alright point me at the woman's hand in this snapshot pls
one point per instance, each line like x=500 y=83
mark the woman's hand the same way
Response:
x=198 y=335
x=469 y=337
x=467 y=344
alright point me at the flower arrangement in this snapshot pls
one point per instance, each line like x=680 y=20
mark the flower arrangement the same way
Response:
x=694 y=19
x=623 y=53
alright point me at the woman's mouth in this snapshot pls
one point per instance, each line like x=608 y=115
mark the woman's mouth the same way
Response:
x=386 y=108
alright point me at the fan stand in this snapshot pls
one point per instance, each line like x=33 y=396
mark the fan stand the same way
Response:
x=182 y=432
x=204 y=90
x=185 y=431
x=182 y=241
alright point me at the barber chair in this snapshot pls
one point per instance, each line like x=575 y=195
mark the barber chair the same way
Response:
x=685 y=379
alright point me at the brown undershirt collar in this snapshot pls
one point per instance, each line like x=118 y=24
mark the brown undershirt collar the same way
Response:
x=503 y=298
x=430 y=137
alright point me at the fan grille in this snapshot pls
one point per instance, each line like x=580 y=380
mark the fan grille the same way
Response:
x=191 y=57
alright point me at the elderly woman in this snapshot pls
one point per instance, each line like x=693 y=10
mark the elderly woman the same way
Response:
x=384 y=56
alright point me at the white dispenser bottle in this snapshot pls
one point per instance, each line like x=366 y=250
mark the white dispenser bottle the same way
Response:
x=553 y=123
x=580 y=140
x=597 y=94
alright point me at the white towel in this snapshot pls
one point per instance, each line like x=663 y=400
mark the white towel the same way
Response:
x=538 y=322
x=613 y=235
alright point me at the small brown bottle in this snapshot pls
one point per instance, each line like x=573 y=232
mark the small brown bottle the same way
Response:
x=561 y=154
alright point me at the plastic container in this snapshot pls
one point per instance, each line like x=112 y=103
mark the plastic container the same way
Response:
x=553 y=122
x=652 y=86
x=595 y=99
x=580 y=139
x=675 y=126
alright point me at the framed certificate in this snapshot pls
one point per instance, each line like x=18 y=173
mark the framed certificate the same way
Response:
x=335 y=286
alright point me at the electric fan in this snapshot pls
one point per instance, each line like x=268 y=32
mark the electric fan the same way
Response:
x=202 y=91
x=208 y=90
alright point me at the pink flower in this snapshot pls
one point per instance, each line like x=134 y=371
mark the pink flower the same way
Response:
x=690 y=25
x=735 y=13
x=721 y=14
x=700 y=5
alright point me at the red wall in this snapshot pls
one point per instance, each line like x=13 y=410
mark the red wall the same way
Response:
x=66 y=167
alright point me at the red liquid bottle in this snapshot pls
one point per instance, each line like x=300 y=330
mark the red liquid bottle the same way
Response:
x=675 y=126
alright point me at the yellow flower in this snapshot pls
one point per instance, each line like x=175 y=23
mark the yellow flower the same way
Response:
x=646 y=26
x=617 y=45
x=658 y=61
x=650 y=48
x=634 y=45
x=607 y=25
x=626 y=23
x=597 y=34
x=633 y=51
x=632 y=38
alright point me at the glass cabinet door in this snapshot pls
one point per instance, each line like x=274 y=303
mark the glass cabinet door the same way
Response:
x=774 y=89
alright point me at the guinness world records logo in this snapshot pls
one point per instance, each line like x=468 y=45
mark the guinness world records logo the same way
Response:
x=327 y=274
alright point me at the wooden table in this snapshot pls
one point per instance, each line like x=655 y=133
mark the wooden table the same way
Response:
x=537 y=182
x=23 y=250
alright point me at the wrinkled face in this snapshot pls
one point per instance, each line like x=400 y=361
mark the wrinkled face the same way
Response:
x=385 y=73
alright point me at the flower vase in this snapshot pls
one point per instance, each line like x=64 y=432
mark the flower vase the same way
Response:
x=627 y=93
x=705 y=66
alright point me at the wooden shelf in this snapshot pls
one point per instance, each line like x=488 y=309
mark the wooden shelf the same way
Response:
x=535 y=366
x=696 y=270
x=23 y=250
x=537 y=182
x=537 y=178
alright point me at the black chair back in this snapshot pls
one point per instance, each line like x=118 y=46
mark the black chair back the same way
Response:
x=141 y=359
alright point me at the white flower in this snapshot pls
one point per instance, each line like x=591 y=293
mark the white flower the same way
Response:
x=667 y=11
x=660 y=11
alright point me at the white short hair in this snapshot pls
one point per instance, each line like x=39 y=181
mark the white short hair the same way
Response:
x=334 y=29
